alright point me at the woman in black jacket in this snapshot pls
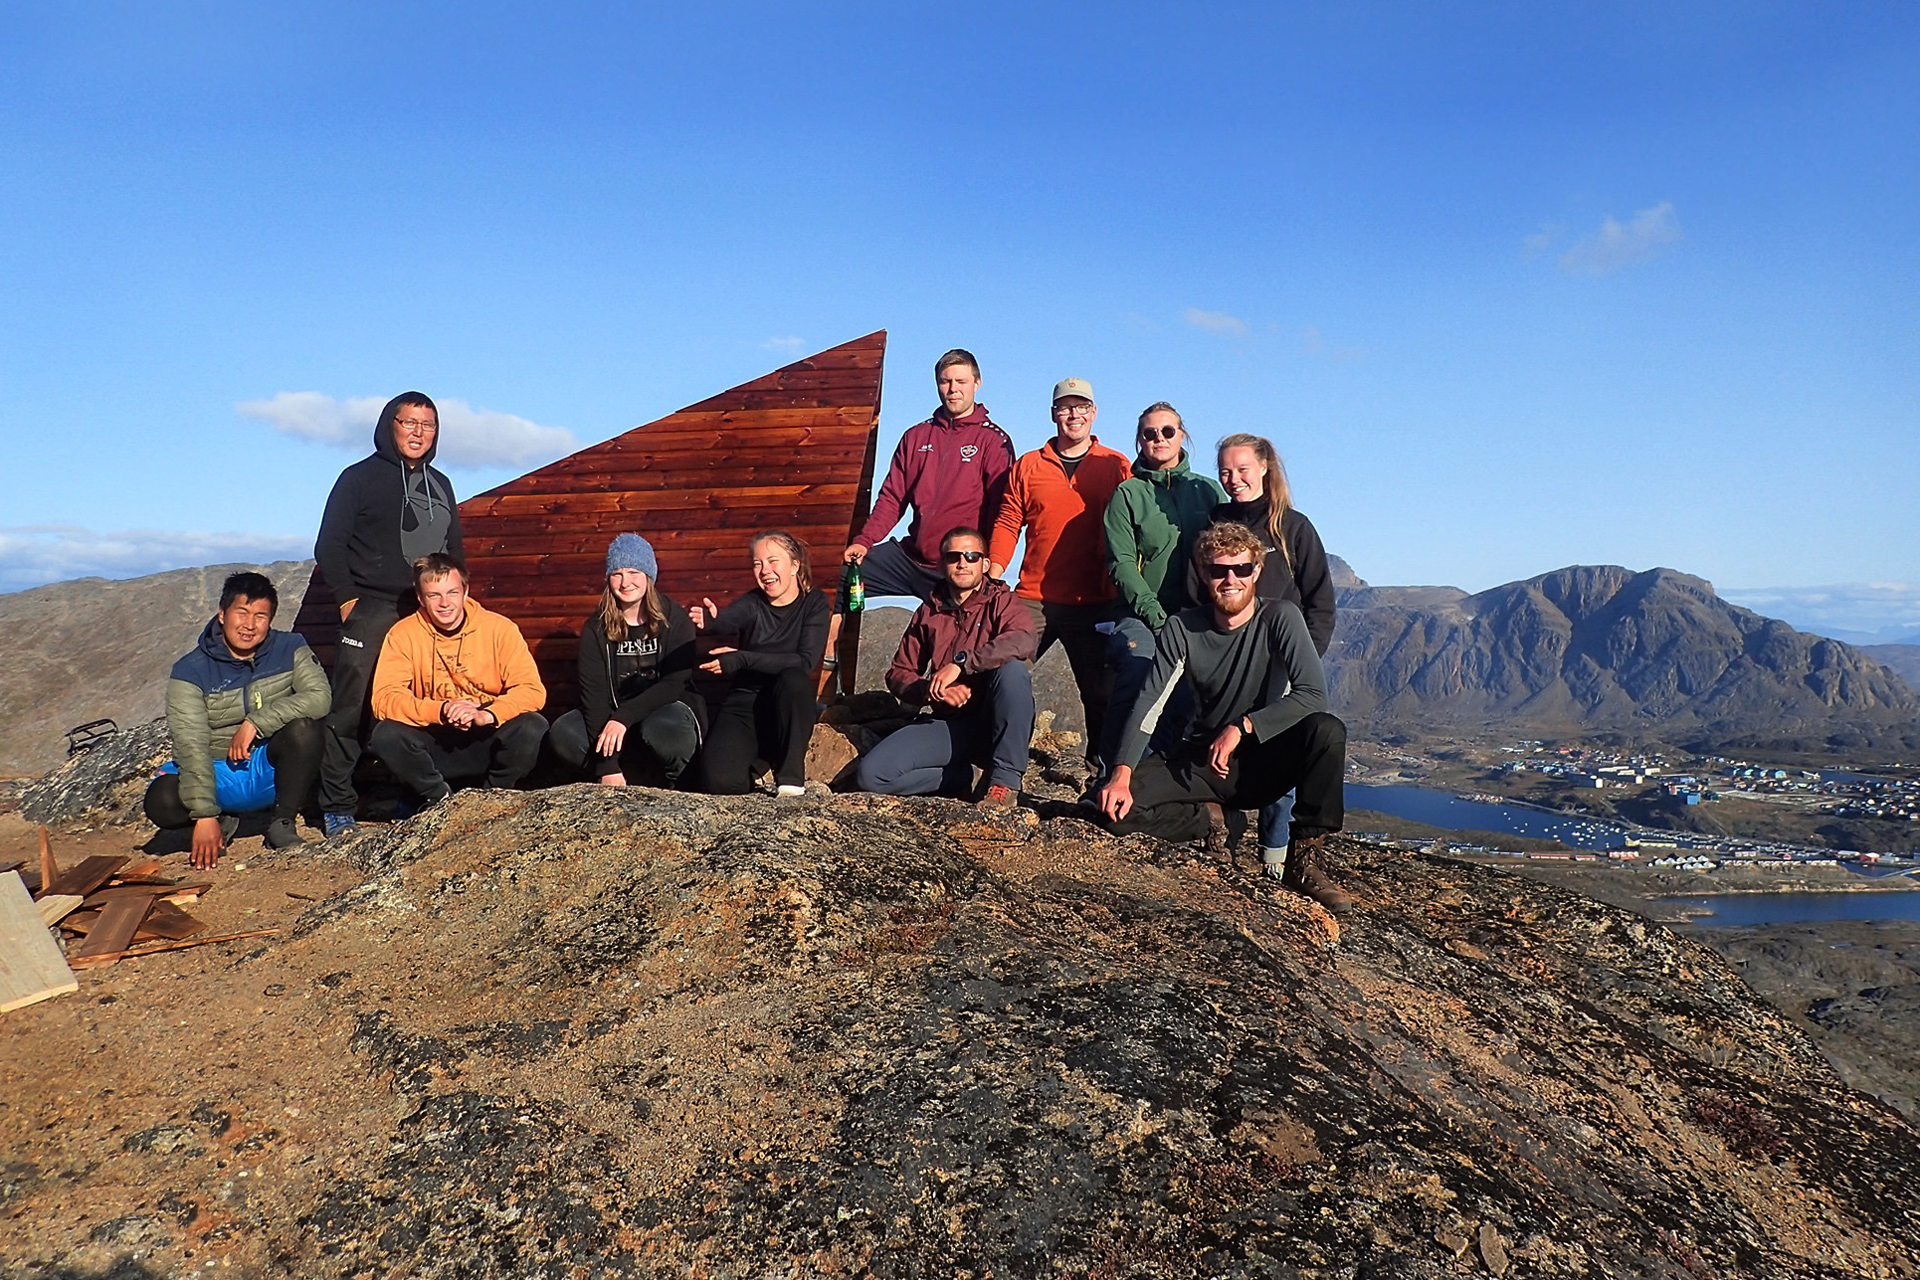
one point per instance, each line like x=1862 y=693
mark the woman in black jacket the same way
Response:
x=778 y=636
x=1296 y=570
x=638 y=707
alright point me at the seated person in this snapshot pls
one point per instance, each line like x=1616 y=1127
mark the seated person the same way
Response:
x=637 y=701
x=245 y=710
x=1261 y=728
x=766 y=708
x=455 y=692
x=964 y=655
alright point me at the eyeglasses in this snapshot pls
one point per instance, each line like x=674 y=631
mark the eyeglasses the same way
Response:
x=415 y=424
x=1221 y=572
x=970 y=557
x=1073 y=411
x=1159 y=433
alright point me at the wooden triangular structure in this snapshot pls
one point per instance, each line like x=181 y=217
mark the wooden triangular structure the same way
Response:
x=793 y=449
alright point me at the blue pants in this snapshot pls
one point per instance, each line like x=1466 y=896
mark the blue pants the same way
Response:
x=937 y=757
x=1132 y=649
x=1275 y=819
x=889 y=571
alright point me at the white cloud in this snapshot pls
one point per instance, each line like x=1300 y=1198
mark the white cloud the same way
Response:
x=1215 y=322
x=469 y=437
x=1859 y=612
x=32 y=555
x=785 y=346
x=1621 y=244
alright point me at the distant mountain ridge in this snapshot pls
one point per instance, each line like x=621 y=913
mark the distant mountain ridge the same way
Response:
x=1602 y=647
x=1586 y=648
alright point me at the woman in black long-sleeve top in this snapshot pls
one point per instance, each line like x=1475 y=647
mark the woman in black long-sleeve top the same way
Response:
x=637 y=701
x=1296 y=569
x=779 y=634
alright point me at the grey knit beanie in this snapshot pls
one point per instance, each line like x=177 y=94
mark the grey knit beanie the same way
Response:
x=631 y=551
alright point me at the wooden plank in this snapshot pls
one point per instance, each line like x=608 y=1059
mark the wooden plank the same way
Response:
x=57 y=906
x=144 y=867
x=49 y=869
x=134 y=953
x=89 y=875
x=31 y=966
x=81 y=922
x=117 y=924
x=159 y=889
x=577 y=502
x=169 y=922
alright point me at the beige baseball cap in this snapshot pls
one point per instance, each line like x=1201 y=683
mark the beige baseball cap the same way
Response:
x=1072 y=387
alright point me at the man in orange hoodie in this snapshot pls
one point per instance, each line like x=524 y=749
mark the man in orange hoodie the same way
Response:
x=1059 y=493
x=455 y=693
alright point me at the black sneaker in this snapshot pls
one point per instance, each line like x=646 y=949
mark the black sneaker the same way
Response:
x=229 y=827
x=282 y=834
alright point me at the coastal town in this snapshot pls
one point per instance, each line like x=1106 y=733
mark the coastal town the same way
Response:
x=1659 y=809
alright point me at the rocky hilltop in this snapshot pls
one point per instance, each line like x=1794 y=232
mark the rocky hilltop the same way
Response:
x=588 y=1032
x=1601 y=647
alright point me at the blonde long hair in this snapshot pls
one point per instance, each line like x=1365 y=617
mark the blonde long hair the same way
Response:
x=613 y=615
x=1278 y=493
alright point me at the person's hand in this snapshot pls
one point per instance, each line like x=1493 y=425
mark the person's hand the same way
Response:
x=703 y=613
x=942 y=680
x=1219 y=756
x=1116 y=798
x=954 y=695
x=610 y=739
x=712 y=666
x=207 y=843
x=854 y=554
x=460 y=713
x=242 y=745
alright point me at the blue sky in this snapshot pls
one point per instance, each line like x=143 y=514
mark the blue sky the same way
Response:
x=1512 y=286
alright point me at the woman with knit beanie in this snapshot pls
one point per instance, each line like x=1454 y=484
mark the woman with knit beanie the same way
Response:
x=638 y=708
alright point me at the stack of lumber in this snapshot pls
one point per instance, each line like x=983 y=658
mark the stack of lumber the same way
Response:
x=106 y=908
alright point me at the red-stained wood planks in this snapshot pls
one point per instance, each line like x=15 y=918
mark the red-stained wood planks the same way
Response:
x=791 y=449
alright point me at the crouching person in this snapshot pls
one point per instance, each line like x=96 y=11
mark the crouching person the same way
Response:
x=964 y=655
x=637 y=701
x=455 y=693
x=1262 y=727
x=245 y=711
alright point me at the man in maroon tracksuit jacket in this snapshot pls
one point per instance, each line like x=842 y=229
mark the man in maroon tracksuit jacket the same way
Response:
x=964 y=654
x=951 y=469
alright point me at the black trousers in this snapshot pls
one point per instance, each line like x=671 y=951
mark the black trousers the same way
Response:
x=773 y=722
x=351 y=718
x=1071 y=626
x=294 y=753
x=1170 y=795
x=425 y=759
x=670 y=736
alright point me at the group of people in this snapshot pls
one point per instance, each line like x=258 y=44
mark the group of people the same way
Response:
x=1193 y=614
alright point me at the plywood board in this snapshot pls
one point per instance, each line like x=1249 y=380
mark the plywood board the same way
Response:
x=116 y=927
x=31 y=966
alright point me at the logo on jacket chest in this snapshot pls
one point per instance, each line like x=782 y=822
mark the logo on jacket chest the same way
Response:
x=967 y=451
x=640 y=647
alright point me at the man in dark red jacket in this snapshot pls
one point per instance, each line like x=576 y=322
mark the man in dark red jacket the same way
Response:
x=963 y=655
x=951 y=469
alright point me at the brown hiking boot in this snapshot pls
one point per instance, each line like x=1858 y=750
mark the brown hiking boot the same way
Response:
x=1219 y=843
x=999 y=798
x=1306 y=874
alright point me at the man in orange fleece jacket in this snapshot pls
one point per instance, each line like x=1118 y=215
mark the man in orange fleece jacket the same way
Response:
x=455 y=693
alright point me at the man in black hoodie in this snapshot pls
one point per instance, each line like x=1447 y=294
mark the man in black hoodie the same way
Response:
x=386 y=511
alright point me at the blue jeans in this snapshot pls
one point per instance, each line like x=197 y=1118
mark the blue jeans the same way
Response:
x=1275 y=819
x=1132 y=648
x=937 y=757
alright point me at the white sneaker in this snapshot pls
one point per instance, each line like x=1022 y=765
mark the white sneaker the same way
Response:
x=787 y=791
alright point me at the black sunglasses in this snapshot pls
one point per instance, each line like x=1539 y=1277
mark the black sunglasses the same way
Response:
x=1221 y=572
x=971 y=557
x=1159 y=433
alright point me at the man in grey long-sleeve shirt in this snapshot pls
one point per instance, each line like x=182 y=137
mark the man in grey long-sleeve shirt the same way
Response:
x=1262 y=727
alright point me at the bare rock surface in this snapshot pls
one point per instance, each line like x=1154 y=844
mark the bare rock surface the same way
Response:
x=587 y=1032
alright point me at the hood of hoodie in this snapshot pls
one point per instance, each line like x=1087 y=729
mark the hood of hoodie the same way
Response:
x=976 y=417
x=383 y=442
x=1179 y=468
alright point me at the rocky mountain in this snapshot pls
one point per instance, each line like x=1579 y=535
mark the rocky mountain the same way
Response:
x=1901 y=659
x=1601 y=647
x=587 y=1031
x=99 y=647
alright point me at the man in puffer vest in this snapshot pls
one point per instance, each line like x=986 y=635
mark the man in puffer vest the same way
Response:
x=245 y=710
